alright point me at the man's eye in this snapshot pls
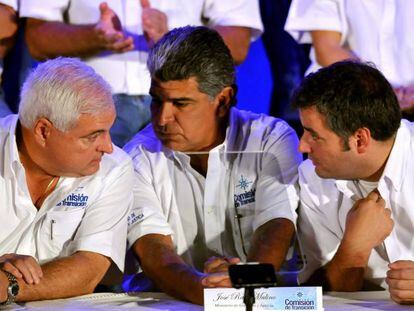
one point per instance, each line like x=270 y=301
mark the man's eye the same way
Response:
x=180 y=104
x=93 y=137
x=314 y=136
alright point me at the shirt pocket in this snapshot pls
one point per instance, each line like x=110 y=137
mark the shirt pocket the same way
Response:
x=58 y=228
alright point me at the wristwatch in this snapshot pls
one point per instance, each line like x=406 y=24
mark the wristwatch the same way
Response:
x=12 y=289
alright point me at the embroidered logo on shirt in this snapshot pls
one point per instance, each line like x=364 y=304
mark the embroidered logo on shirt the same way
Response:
x=133 y=218
x=78 y=199
x=247 y=194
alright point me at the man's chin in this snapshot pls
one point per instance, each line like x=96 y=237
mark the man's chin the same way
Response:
x=321 y=173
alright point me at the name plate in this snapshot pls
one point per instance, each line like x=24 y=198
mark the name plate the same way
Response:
x=272 y=298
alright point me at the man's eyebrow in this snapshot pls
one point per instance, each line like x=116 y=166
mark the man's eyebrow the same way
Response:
x=177 y=99
x=310 y=130
x=94 y=132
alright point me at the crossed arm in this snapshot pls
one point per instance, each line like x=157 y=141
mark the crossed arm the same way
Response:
x=71 y=276
x=46 y=39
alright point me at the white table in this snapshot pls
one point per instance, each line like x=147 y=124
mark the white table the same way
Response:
x=369 y=301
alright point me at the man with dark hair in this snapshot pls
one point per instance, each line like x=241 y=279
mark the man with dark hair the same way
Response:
x=355 y=223
x=114 y=38
x=214 y=184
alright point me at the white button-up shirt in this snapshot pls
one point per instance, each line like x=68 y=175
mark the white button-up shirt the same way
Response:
x=377 y=31
x=252 y=174
x=81 y=214
x=127 y=72
x=325 y=204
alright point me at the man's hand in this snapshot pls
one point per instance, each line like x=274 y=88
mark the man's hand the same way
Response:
x=218 y=279
x=400 y=279
x=154 y=23
x=4 y=283
x=109 y=31
x=216 y=270
x=22 y=267
x=405 y=96
x=368 y=223
x=219 y=264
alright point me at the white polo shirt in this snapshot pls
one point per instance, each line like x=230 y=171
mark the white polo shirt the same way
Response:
x=127 y=72
x=325 y=204
x=253 y=171
x=81 y=214
x=377 y=31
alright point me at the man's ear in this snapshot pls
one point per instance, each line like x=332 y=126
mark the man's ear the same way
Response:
x=42 y=130
x=224 y=98
x=363 y=139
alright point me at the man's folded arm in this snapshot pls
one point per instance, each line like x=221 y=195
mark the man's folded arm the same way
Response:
x=70 y=276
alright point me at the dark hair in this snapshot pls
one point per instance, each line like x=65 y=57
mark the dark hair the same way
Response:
x=351 y=95
x=198 y=52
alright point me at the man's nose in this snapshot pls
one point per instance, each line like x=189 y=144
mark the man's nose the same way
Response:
x=304 y=146
x=105 y=145
x=165 y=114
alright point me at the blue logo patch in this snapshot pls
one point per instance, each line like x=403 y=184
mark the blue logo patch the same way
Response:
x=78 y=199
x=247 y=194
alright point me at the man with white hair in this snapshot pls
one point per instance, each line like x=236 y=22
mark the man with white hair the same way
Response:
x=63 y=204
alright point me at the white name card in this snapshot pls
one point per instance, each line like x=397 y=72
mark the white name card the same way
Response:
x=272 y=298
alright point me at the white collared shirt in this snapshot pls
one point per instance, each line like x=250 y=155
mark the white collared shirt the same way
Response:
x=81 y=214
x=127 y=72
x=325 y=204
x=377 y=31
x=171 y=198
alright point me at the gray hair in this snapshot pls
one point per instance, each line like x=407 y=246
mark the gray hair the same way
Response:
x=198 y=52
x=61 y=90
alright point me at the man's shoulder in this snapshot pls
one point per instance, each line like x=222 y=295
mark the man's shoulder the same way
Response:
x=118 y=159
x=143 y=141
x=260 y=124
x=7 y=126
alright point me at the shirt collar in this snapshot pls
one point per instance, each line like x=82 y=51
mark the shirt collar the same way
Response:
x=397 y=161
x=11 y=159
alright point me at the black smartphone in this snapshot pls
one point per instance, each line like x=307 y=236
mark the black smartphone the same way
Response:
x=252 y=275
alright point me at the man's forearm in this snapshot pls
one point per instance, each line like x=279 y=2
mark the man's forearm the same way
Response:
x=52 y=39
x=328 y=48
x=168 y=270
x=345 y=272
x=271 y=242
x=179 y=280
x=66 y=277
x=237 y=40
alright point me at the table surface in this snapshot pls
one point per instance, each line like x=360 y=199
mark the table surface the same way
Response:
x=158 y=301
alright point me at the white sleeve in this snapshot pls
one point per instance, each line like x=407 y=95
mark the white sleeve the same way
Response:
x=103 y=228
x=319 y=231
x=147 y=215
x=276 y=194
x=307 y=15
x=49 y=10
x=10 y=3
x=243 y=13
